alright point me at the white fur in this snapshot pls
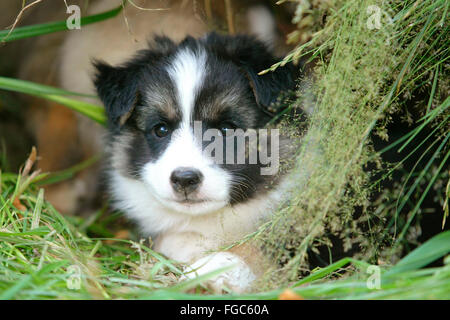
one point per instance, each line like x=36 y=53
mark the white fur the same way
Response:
x=237 y=276
x=187 y=71
x=185 y=237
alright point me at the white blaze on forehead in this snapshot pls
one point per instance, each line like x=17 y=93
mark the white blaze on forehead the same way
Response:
x=187 y=71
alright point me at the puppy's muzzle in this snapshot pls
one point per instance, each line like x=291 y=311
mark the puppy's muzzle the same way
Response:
x=185 y=180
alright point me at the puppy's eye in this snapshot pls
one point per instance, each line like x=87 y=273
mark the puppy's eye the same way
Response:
x=226 y=126
x=161 y=130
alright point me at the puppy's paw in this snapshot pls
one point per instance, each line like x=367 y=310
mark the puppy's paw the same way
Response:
x=238 y=276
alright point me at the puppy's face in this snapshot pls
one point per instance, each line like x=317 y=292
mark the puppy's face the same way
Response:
x=161 y=104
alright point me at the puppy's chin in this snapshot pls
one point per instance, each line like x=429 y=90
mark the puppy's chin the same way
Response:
x=194 y=208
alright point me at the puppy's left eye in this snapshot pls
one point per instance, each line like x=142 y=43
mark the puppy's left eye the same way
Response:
x=226 y=126
x=161 y=130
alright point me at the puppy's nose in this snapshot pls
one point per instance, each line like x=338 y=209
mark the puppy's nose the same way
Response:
x=185 y=180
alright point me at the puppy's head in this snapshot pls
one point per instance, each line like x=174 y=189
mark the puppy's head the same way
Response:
x=162 y=102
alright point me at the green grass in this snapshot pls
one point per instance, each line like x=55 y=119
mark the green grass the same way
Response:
x=94 y=112
x=45 y=28
x=40 y=250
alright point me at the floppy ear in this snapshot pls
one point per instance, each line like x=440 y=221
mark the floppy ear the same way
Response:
x=117 y=88
x=253 y=56
x=270 y=86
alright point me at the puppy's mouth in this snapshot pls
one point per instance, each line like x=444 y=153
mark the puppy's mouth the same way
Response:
x=195 y=206
x=191 y=201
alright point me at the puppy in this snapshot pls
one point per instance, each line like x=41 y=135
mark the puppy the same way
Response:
x=160 y=105
x=64 y=60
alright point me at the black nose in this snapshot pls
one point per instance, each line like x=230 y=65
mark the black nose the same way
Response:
x=185 y=180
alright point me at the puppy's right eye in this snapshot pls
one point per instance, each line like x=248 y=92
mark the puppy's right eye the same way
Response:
x=161 y=130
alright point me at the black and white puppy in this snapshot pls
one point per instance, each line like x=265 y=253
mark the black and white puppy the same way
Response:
x=158 y=173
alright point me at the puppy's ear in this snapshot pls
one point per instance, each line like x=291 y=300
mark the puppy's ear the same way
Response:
x=253 y=56
x=117 y=88
x=270 y=86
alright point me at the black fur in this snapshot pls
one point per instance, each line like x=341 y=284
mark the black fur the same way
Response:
x=252 y=57
x=118 y=87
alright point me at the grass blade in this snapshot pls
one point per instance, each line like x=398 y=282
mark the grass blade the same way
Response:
x=428 y=252
x=45 y=28
x=92 y=111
